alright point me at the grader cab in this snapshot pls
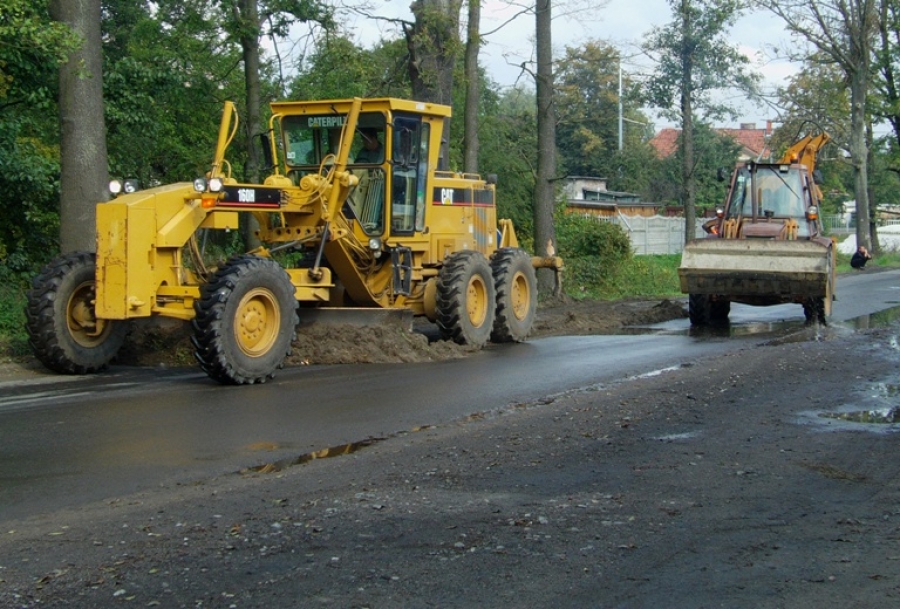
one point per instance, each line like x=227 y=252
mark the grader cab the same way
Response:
x=354 y=200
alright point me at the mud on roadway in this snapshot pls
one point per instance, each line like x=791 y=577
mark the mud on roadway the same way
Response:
x=714 y=484
x=333 y=343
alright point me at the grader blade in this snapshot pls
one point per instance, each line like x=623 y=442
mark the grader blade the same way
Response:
x=358 y=317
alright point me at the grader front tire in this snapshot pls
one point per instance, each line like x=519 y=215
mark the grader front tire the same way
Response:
x=245 y=321
x=466 y=299
x=516 y=287
x=62 y=326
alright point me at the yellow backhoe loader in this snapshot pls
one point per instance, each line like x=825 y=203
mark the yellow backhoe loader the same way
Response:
x=765 y=246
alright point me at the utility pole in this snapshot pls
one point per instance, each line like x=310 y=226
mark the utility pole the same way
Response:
x=620 y=107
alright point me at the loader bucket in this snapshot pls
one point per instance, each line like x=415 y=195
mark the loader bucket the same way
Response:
x=744 y=269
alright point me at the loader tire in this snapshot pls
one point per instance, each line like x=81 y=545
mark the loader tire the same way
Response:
x=62 y=326
x=465 y=299
x=719 y=311
x=814 y=310
x=245 y=321
x=699 y=309
x=515 y=285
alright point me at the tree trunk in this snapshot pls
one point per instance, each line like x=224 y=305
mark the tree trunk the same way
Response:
x=859 y=154
x=433 y=44
x=84 y=171
x=250 y=28
x=545 y=185
x=688 y=186
x=473 y=89
x=873 y=211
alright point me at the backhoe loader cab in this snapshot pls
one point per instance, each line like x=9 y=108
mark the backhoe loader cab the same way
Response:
x=774 y=196
x=355 y=190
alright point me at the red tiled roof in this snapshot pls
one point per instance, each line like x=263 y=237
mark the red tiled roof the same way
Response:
x=666 y=142
x=751 y=141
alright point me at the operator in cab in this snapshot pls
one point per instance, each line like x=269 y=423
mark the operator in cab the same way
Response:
x=372 y=150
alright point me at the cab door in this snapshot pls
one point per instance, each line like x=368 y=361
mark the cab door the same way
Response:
x=409 y=174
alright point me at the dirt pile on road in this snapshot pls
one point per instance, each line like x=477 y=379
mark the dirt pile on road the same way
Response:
x=167 y=343
x=345 y=344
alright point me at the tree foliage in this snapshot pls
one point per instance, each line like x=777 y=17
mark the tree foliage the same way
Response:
x=695 y=59
x=843 y=32
x=588 y=114
x=31 y=48
x=339 y=68
x=712 y=150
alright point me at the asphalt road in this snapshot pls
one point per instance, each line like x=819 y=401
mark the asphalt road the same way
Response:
x=66 y=441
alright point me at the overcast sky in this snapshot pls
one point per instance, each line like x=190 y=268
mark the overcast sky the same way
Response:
x=623 y=23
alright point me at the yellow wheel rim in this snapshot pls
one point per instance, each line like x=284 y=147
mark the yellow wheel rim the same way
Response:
x=476 y=301
x=520 y=296
x=257 y=321
x=84 y=327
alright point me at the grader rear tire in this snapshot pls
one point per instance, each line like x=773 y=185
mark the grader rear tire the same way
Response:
x=62 y=326
x=245 y=321
x=516 y=289
x=466 y=299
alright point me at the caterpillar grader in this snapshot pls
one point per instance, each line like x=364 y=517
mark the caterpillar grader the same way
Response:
x=765 y=246
x=354 y=214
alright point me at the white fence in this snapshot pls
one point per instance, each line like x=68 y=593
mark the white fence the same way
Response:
x=655 y=234
x=838 y=225
x=664 y=235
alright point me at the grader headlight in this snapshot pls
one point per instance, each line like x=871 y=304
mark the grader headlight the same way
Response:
x=117 y=187
x=375 y=246
x=212 y=184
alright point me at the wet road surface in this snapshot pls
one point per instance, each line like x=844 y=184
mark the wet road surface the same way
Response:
x=67 y=441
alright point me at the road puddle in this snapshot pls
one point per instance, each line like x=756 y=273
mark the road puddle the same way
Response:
x=875 y=320
x=886 y=416
x=325 y=453
x=875 y=411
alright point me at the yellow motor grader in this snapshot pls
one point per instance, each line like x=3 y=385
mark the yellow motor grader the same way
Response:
x=356 y=201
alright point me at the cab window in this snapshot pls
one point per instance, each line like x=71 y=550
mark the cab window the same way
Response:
x=409 y=161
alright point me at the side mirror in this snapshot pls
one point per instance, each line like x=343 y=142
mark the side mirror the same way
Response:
x=721 y=174
x=266 y=153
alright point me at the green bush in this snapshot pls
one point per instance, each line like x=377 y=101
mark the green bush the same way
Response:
x=600 y=264
x=580 y=236
x=595 y=278
x=13 y=339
